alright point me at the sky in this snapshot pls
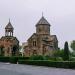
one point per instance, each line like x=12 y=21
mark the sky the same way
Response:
x=24 y=14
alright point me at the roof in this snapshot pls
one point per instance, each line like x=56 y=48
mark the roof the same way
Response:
x=9 y=38
x=50 y=38
x=34 y=35
x=43 y=21
x=54 y=37
x=9 y=26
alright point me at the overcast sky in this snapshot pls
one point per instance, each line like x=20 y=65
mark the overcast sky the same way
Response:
x=24 y=14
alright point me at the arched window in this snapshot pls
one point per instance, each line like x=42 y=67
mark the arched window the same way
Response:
x=34 y=43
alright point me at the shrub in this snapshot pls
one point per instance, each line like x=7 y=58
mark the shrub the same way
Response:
x=72 y=58
x=4 y=59
x=54 y=58
x=57 y=64
x=37 y=57
x=13 y=59
x=59 y=59
x=47 y=58
x=23 y=58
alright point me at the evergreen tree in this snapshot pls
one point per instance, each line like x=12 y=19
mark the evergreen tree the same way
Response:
x=66 y=51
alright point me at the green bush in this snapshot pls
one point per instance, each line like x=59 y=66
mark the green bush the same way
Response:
x=59 y=59
x=48 y=58
x=13 y=59
x=72 y=59
x=40 y=57
x=4 y=59
x=16 y=59
x=23 y=58
x=54 y=58
x=57 y=64
x=37 y=57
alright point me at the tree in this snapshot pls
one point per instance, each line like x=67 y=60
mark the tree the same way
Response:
x=66 y=51
x=59 y=53
x=73 y=45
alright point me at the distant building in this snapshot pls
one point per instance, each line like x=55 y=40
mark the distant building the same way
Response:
x=41 y=42
x=9 y=45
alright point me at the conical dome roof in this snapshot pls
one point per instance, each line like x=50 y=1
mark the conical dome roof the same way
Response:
x=43 y=21
x=9 y=26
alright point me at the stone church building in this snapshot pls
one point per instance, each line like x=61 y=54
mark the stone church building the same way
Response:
x=9 y=45
x=41 y=42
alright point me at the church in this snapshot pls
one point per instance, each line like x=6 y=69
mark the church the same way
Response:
x=41 y=42
x=9 y=45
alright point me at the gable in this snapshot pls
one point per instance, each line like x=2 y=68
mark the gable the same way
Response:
x=34 y=36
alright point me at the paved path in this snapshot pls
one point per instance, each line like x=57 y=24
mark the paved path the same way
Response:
x=16 y=69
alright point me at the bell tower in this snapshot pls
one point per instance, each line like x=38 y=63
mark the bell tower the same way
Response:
x=9 y=29
x=43 y=27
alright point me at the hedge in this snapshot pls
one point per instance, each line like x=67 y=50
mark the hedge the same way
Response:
x=12 y=59
x=57 y=64
x=49 y=63
x=4 y=59
x=16 y=59
x=37 y=57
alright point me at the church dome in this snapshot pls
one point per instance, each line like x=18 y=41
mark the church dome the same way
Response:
x=9 y=26
x=43 y=26
x=42 y=21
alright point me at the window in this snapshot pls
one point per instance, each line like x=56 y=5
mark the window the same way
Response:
x=34 y=43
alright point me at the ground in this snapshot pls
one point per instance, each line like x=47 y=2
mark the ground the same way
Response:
x=16 y=69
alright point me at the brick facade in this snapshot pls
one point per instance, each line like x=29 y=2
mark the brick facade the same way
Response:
x=9 y=45
x=41 y=42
